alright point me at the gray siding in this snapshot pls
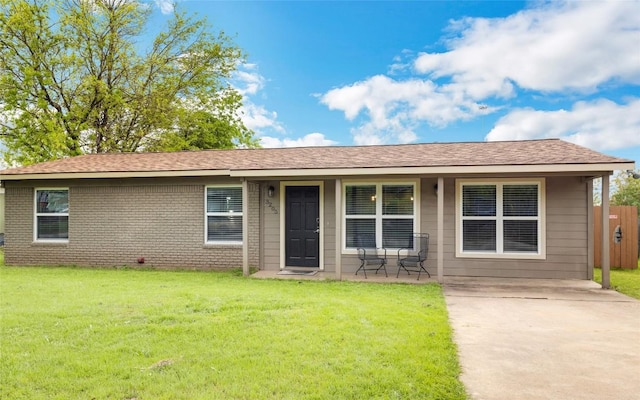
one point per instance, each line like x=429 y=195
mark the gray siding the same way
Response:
x=566 y=238
x=271 y=230
x=114 y=222
x=329 y=229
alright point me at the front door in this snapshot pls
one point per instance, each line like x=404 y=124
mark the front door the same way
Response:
x=302 y=226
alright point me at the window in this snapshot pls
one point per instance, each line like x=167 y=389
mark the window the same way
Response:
x=51 y=215
x=224 y=214
x=500 y=218
x=384 y=211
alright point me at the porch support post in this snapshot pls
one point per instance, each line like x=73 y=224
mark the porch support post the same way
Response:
x=440 y=246
x=245 y=227
x=604 y=261
x=338 y=231
x=590 y=230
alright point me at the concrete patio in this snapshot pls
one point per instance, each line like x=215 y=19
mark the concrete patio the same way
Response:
x=372 y=277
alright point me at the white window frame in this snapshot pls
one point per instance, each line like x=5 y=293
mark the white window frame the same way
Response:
x=208 y=214
x=500 y=218
x=379 y=217
x=36 y=214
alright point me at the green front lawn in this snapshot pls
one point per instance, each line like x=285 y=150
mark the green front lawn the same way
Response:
x=70 y=333
x=625 y=281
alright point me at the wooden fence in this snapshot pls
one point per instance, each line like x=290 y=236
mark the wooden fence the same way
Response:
x=623 y=254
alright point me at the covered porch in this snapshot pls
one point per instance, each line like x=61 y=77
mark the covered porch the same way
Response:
x=441 y=185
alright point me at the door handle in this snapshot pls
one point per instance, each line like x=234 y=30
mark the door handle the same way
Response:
x=317 y=226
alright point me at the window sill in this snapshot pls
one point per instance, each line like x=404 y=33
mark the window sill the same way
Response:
x=222 y=244
x=507 y=256
x=51 y=243
x=390 y=250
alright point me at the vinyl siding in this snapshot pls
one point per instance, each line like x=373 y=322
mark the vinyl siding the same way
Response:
x=566 y=238
x=271 y=230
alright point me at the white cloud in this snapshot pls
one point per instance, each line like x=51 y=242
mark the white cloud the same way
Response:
x=258 y=118
x=554 y=47
x=250 y=83
x=165 y=6
x=395 y=107
x=575 y=45
x=310 y=140
x=599 y=125
x=247 y=80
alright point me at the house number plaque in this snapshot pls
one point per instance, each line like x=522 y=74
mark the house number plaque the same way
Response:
x=269 y=204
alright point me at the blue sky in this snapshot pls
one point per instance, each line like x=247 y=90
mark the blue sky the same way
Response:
x=361 y=72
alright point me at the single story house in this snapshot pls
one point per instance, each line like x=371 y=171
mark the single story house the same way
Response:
x=492 y=209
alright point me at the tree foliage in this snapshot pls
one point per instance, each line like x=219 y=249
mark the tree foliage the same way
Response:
x=73 y=80
x=627 y=190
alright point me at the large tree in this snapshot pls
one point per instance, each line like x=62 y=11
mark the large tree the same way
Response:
x=626 y=190
x=75 y=77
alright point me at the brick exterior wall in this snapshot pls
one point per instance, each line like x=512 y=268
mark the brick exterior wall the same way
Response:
x=115 y=223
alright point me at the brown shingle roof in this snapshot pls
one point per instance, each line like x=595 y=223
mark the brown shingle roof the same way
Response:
x=530 y=152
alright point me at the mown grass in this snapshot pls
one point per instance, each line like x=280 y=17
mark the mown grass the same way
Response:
x=70 y=333
x=625 y=281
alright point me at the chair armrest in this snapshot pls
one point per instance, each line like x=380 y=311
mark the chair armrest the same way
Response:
x=404 y=248
x=384 y=251
x=362 y=253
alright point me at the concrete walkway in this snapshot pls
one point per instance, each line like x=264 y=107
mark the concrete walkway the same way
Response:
x=545 y=339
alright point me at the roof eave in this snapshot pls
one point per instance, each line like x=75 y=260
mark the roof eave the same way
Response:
x=436 y=170
x=108 y=175
x=315 y=172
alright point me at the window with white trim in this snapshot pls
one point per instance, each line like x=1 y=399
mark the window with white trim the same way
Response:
x=500 y=218
x=223 y=214
x=384 y=212
x=51 y=215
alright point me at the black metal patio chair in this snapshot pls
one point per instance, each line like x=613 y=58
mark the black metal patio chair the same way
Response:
x=412 y=259
x=371 y=257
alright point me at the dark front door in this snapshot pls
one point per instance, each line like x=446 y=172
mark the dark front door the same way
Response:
x=302 y=224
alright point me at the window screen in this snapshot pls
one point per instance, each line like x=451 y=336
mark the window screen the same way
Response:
x=383 y=211
x=361 y=200
x=397 y=200
x=500 y=218
x=52 y=214
x=520 y=200
x=224 y=214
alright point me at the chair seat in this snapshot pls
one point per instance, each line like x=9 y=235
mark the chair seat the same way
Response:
x=373 y=258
